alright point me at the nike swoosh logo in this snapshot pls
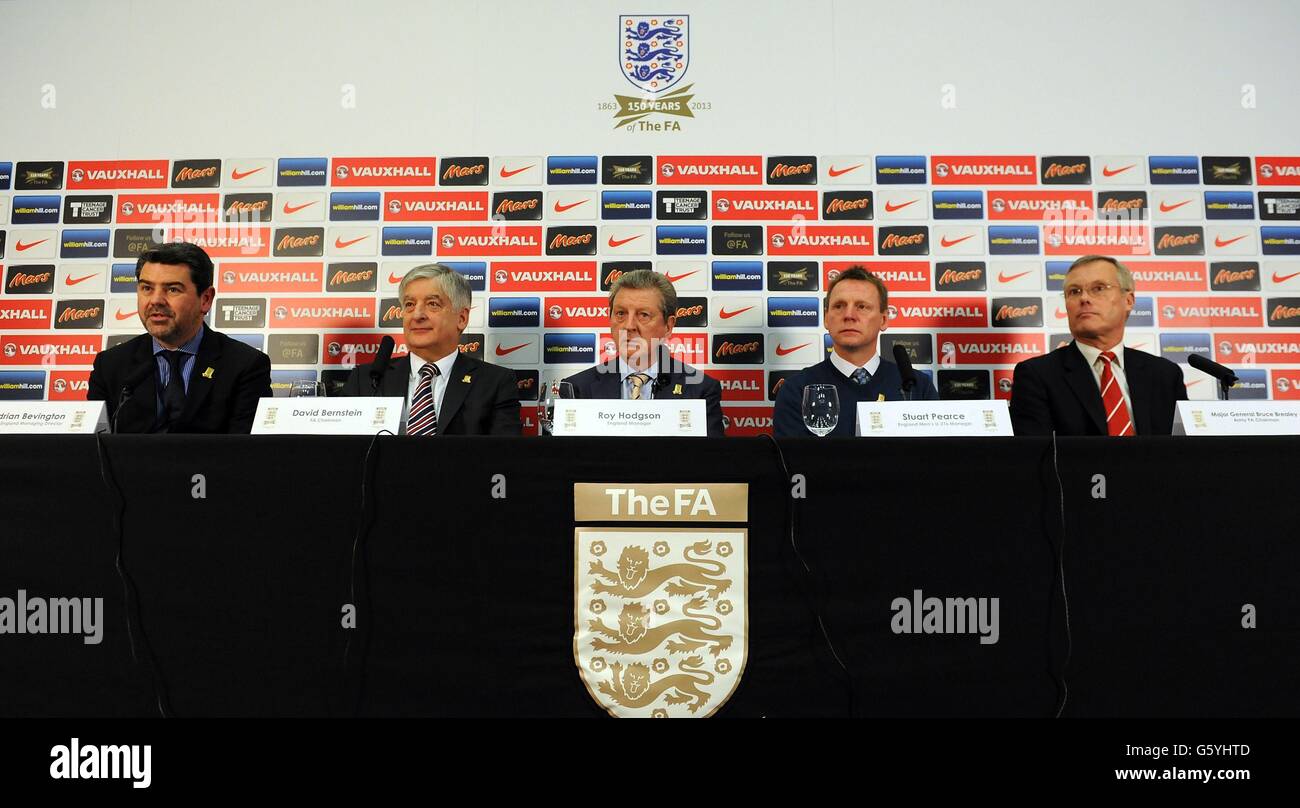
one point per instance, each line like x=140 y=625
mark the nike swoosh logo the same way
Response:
x=289 y=210
x=727 y=315
x=835 y=172
x=341 y=244
x=946 y=243
x=676 y=278
x=1107 y=171
x=236 y=174
x=120 y=316
x=20 y=246
x=890 y=207
x=782 y=350
x=613 y=242
x=75 y=281
x=1004 y=278
x=507 y=174
x=1166 y=208
x=1218 y=242
x=562 y=208
x=393 y=278
x=1283 y=278
x=1060 y=315
x=507 y=351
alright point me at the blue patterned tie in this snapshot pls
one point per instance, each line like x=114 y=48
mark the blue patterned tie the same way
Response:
x=861 y=377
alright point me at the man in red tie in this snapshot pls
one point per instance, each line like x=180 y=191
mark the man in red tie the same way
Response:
x=1094 y=385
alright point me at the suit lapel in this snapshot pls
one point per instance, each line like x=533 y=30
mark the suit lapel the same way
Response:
x=397 y=379
x=608 y=384
x=207 y=359
x=1139 y=390
x=1079 y=377
x=145 y=395
x=461 y=379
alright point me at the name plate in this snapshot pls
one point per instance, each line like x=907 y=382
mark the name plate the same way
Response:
x=1238 y=418
x=53 y=417
x=308 y=415
x=931 y=419
x=590 y=417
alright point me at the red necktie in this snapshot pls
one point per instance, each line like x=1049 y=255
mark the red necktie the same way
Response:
x=1118 y=422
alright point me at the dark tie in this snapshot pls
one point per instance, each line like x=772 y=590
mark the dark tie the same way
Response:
x=861 y=377
x=424 y=415
x=174 y=392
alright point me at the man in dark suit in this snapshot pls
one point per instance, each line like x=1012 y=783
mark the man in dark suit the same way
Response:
x=181 y=376
x=1094 y=385
x=447 y=392
x=642 y=313
x=856 y=309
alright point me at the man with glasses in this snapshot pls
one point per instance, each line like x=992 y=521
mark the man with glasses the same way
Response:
x=1094 y=385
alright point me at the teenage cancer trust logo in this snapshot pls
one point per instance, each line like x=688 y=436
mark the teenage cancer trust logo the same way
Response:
x=654 y=53
x=660 y=619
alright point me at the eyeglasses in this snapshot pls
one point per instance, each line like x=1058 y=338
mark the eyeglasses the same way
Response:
x=1095 y=290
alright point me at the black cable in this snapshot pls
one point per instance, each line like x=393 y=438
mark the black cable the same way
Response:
x=364 y=523
x=1065 y=599
x=813 y=588
x=130 y=593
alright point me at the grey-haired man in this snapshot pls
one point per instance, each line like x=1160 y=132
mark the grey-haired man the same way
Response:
x=447 y=392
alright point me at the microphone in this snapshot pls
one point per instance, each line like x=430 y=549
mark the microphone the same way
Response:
x=380 y=366
x=905 y=368
x=1224 y=374
x=128 y=387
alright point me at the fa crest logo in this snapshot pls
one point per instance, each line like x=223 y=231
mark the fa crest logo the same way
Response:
x=660 y=619
x=654 y=51
x=653 y=54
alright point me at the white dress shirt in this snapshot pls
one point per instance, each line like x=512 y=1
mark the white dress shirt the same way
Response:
x=846 y=367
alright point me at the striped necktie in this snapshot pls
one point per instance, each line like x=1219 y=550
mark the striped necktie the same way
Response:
x=638 y=381
x=1118 y=422
x=424 y=415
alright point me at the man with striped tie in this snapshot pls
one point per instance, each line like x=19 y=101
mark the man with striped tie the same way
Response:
x=1095 y=385
x=449 y=393
x=642 y=313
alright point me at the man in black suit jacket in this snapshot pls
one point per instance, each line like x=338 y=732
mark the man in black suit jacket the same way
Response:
x=181 y=376
x=1063 y=391
x=457 y=394
x=642 y=313
x=857 y=311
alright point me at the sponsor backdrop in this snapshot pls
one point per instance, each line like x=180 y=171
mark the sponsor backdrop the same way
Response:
x=645 y=144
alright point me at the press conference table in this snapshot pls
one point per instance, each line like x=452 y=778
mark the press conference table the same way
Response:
x=469 y=597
